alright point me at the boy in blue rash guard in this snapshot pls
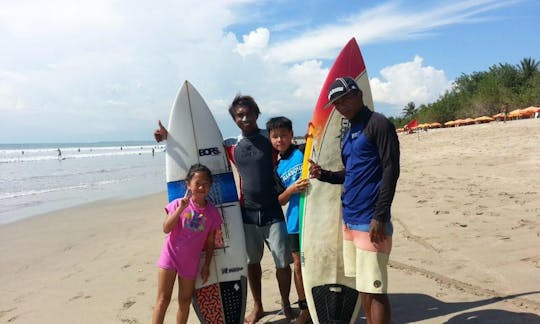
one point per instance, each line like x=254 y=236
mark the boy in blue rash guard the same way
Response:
x=288 y=172
x=370 y=154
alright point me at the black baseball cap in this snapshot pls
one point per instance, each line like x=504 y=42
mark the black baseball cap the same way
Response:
x=339 y=88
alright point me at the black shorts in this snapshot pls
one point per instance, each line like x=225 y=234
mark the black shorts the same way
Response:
x=294 y=242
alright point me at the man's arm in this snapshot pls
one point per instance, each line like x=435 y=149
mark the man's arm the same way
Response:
x=386 y=139
x=334 y=177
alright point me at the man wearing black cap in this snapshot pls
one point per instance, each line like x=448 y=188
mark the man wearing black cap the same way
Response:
x=370 y=154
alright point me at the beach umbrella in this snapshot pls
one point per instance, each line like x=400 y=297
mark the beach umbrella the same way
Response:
x=411 y=125
x=515 y=113
x=435 y=125
x=469 y=121
x=450 y=123
x=498 y=116
x=528 y=112
x=483 y=119
x=459 y=122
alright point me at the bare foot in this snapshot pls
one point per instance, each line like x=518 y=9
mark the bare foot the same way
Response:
x=288 y=312
x=255 y=315
x=303 y=317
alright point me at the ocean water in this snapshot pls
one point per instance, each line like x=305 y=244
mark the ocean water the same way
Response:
x=35 y=179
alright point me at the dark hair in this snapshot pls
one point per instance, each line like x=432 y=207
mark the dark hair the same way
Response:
x=198 y=168
x=244 y=101
x=279 y=122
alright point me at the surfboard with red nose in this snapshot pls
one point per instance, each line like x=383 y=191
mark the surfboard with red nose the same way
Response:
x=331 y=296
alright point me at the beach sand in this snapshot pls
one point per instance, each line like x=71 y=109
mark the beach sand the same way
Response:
x=466 y=242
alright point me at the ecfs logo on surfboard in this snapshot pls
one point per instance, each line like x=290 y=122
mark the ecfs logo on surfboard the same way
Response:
x=209 y=151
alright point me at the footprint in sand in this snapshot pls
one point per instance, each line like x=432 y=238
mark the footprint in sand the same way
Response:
x=535 y=260
x=522 y=223
x=79 y=295
x=130 y=302
x=7 y=311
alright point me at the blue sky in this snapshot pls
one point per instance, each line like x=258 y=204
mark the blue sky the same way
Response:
x=99 y=70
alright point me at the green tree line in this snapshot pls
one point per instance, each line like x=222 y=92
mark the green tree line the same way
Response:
x=481 y=93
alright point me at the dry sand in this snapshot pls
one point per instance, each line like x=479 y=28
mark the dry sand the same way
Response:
x=466 y=242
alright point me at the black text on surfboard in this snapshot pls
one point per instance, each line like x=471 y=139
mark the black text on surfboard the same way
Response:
x=209 y=151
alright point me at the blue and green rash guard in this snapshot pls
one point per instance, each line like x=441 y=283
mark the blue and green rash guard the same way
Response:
x=289 y=169
x=370 y=154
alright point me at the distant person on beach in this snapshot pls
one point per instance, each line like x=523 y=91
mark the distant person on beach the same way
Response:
x=288 y=171
x=370 y=154
x=505 y=111
x=191 y=225
x=262 y=214
x=59 y=154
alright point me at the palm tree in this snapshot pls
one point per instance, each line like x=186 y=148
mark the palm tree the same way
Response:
x=409 y=110
x=528 y=67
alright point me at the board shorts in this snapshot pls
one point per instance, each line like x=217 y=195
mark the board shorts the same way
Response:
x=294 y=242
x=365 y=261
x=275 y=237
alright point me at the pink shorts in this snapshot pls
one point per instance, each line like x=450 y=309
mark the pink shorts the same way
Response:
x=172 y=259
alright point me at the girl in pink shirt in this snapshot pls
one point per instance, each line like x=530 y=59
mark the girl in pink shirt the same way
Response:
x=191 y=225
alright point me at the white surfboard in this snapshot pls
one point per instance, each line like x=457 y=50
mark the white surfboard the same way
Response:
x=194 y=137
x=331 y=294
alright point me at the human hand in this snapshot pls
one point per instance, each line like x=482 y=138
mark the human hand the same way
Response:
x=300 y=185
x=184 y=201
x=376 y=231
x=314 y=169
x=205 y=273
x=161 y=133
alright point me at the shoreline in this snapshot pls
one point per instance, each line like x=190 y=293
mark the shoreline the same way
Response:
x=466 y=231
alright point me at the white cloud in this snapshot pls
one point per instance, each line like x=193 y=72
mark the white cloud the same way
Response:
x=409 y=81
x=254 y=43
x=386 y=22
x=306 y=77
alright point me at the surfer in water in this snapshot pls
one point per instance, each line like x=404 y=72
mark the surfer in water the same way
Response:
x=191 y=224
x=370 y=153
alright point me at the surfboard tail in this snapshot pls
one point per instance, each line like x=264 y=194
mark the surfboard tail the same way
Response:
x=335 y=303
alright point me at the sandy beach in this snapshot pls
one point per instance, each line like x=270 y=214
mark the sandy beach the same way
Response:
x=466 y=242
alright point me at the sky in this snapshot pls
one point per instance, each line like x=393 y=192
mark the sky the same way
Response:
x=108 y=70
